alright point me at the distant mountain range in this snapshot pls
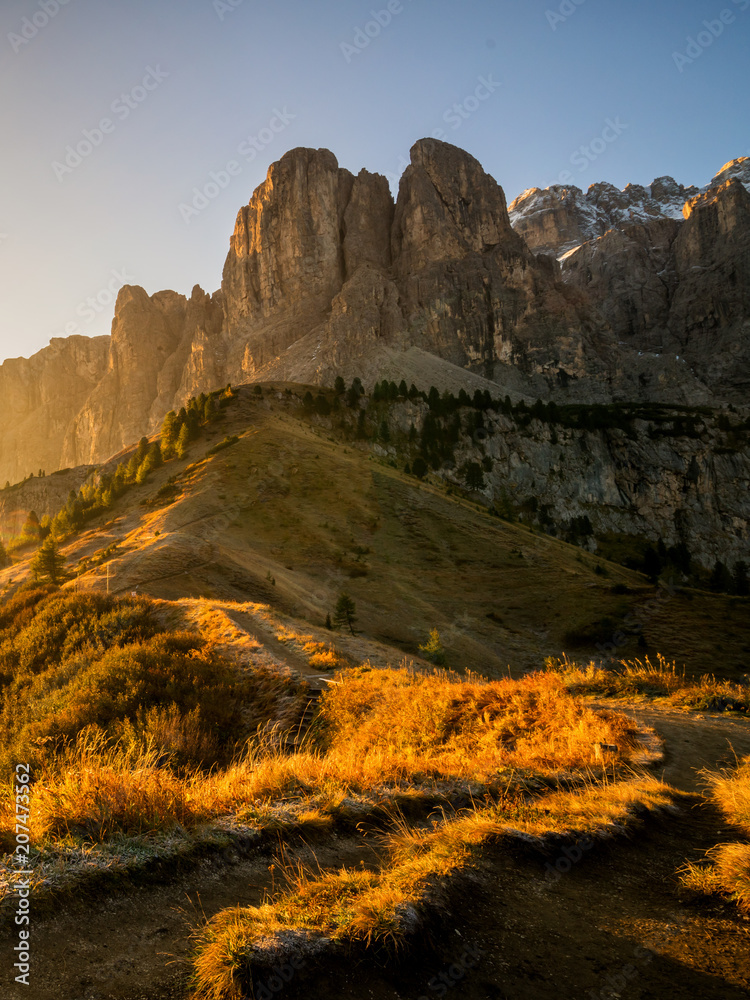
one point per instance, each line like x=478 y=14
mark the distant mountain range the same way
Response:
x=640 y=295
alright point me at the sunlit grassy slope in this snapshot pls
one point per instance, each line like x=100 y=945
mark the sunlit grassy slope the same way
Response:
x=292 y=514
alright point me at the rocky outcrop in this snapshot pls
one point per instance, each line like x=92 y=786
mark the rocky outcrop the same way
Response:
x=42 y=397
x=679 y=288
x=157 y=359
x=679 y=478
x=326 y=275
x=559 y=218
x=45 y=495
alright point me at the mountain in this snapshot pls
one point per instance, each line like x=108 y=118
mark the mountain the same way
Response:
x=327 y=275
x=560 y=218
x=666 y=268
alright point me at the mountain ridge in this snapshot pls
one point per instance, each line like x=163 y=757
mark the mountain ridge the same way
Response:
x=327 y=274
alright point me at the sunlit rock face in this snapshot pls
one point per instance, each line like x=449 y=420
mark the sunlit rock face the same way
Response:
x=157 y=358
x=42 y=397
x=327 y=274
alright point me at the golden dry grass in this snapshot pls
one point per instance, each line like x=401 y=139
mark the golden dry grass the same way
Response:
x=384 y=906
x=379 y=729
x=635 y=679
x=397 y=726
x=727 y=871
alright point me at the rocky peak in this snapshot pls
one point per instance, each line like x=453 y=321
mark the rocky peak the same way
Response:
x=286 y=242
x=558 y=219
x=739 y=168
x=448 y=206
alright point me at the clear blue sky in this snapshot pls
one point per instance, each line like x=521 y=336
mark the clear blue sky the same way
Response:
x=220 y=75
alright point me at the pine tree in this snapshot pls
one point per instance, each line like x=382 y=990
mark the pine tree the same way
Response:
x=170 y=430
x=433 y=649
x=183 y=441
x=345 y=613
x=741 y=583
x=209 y=410
x=31 y=528
x=48 y=564
x=339 y=386
x=142 y=450
x=474 y=477
x=652 y=564
x=4 y=558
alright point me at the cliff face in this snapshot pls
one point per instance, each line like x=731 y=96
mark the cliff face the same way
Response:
x=679 y=288
x=157 y=359
x=327 y=275
x=45 y=495
x=651 y=480
x=41 y=397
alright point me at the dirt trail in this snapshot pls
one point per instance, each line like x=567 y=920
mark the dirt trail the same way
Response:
x=613 y=925
x=280 y=650
x=134 y=945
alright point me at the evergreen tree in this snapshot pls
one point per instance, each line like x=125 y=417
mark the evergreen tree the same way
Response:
x=170 y=430
x=308 y=402
x=132 y=469
x=652 y=564
x=183 y=442
x=62 y=524
x=142 y=450
x=474 y=477
x=419 y=468
x=193 y=422
x=209 y=410
x=4 y=558
x=345 y=613
x=31 y=528
x=721 y=579
x=741 y=583
x=146 y=466
x=353 y=395
x=384 y=433
x=48 y=564
x=339 y=386
x=322 y=406
x=433 y=649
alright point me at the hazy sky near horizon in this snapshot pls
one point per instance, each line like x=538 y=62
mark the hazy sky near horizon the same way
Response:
x=133 y=131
